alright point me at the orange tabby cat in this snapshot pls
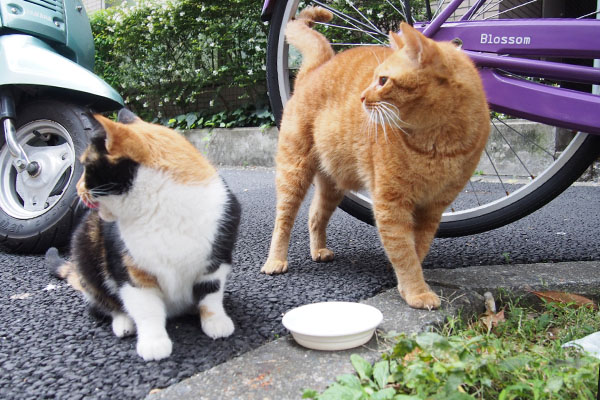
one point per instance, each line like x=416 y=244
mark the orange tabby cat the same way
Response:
x=408 y=123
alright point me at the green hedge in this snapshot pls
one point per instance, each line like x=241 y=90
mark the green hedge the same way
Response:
x=170 y=58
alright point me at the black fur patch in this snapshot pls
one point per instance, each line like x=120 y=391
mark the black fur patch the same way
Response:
x=96 y=250
x=201 y=289
x=222 y=248
x=104 y=176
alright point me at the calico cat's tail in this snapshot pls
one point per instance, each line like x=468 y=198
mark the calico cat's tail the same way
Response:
x=313 y=46
x=58 y=267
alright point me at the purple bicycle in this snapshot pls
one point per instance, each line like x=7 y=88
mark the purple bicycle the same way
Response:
x=539 y=63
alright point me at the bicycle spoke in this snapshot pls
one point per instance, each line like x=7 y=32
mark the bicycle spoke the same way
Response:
x=402 y=14
x=362 y=15
x=497 y=173
x=340 y=27
x=510 y=9
x=474 y=192
x=439 y=8
x=589 y=15
x=513 y=150
x=347 y=18
x=486 y=8
x=524 y=137
x=355 y=44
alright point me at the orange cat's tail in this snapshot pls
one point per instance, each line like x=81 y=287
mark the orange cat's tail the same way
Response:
x=313 y=46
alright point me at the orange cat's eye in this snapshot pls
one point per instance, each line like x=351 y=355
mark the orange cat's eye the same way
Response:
x=382 y=80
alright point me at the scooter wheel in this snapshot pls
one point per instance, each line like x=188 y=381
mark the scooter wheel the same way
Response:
x=40 y=210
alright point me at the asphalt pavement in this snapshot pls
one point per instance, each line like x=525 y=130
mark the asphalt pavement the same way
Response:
x=50 y=347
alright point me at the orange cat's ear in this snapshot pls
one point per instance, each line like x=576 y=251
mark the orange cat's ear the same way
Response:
x=418 y=47
x=396 y=41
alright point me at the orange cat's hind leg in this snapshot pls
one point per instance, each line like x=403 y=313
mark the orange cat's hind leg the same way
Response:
x=326 y=199
x=295 y=171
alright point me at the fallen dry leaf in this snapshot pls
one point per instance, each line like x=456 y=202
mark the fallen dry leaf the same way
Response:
x=553 y=333
x=566 y=298
x=491 y=320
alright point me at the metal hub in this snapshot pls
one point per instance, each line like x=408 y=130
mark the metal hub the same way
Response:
x=31 y=192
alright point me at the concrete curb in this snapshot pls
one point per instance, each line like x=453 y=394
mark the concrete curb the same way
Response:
x=236 y=146
x=282 y=369
x=257 y=147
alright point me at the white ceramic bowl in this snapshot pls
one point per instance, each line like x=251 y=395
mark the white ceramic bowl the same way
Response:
x=334 y=325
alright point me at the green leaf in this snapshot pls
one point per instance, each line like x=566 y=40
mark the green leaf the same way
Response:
x=554 y=384
x=403 y=347
x=190 y=119
x=514 y=363
x=349 y=380
x=381 y=373
x=340 y=392
x=517 y=389
x=384 y=394
x=429 y=340
x=309 y=394
x=362 y=366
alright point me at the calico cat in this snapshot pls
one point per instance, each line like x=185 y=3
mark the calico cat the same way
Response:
x=158 y=238
x=407 y=122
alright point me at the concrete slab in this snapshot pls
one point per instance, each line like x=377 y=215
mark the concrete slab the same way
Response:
x=581 y=278
x=282 y=369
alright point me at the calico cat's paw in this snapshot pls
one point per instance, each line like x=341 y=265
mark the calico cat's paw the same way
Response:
x=322 y=255
x=155 y=348
x=122 y=325
x=217 y=326
x=274 y=267
x=425 y=300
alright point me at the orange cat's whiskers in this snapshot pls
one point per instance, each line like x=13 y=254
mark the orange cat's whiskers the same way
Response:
x=384 y=117
x=372 y=121
x=392 y=116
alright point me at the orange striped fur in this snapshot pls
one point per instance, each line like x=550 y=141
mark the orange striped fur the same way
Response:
x=414 y=161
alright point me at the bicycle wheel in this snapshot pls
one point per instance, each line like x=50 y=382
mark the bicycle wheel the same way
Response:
x=525 y=164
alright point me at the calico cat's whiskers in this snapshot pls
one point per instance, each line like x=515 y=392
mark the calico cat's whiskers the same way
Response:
x=102 y=190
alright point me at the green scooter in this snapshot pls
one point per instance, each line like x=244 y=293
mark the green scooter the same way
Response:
x=47 y=88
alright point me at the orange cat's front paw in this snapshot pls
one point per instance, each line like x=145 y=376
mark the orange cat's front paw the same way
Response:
x=274 y=267
x=322 y=255
x=426 y=300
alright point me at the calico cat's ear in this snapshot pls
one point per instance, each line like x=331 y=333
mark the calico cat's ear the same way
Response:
x=395 y=41
x=121 y=141
x=419 y=48
x=127 y=117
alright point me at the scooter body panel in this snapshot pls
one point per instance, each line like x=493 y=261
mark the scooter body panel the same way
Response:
x=26 y=60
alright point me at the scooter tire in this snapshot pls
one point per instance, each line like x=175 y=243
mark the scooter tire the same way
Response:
x=55 y=225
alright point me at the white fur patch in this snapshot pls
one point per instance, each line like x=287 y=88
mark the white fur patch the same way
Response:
x=122 y=325
x=169 y=229
x=215 y=322
x=147 y=309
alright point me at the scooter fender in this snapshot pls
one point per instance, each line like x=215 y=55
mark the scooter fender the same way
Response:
x=26 y=60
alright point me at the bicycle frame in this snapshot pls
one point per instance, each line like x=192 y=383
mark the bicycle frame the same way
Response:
x=491 y=44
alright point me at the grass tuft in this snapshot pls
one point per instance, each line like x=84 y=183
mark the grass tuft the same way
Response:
x=520 y=357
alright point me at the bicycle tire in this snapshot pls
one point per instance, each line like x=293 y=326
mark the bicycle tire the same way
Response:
x=565 y=170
